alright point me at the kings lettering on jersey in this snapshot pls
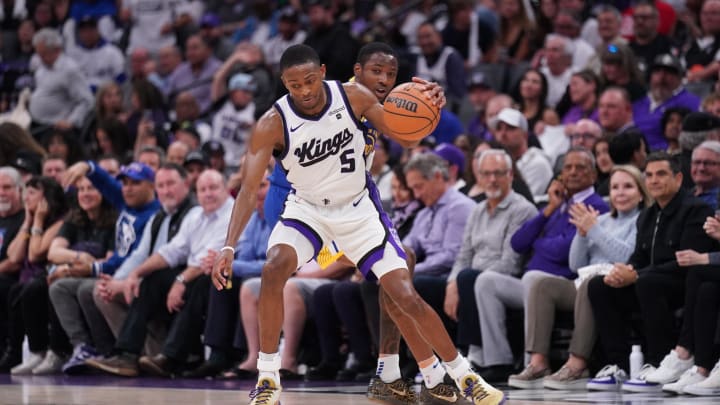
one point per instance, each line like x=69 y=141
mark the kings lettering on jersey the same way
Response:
x=317 y=150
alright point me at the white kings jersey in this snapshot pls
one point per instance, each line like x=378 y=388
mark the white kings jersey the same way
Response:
x=324 y=155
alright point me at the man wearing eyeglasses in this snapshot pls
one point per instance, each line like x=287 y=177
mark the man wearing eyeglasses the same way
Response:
x=666 y=91
x=705 y=172
x=483 y=250
x=647 y=43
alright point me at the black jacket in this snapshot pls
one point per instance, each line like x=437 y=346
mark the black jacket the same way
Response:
x=662 y=232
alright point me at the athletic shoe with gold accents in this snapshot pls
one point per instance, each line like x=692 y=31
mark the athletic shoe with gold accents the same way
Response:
x=479 y=392
x=267 y=392
x=441 y=394
x=398 y=392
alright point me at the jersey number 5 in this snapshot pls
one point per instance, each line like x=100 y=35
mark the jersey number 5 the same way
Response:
x=347 y=161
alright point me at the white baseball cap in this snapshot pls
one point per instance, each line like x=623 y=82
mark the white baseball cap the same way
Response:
x=512 y=117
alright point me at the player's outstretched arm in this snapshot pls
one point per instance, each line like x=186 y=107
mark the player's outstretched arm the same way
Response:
x=267 y=136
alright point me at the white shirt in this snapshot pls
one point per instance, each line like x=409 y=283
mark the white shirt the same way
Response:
x=99 y=65
x=535 y=168
x=198 y=233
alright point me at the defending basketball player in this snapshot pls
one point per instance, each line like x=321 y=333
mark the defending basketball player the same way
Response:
x=316 y=135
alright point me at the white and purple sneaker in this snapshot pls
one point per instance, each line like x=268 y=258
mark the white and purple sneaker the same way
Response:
x=76 y=364
x=639 y=384
x=610 y=378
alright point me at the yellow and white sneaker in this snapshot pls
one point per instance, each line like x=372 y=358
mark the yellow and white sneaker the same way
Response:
x=479 y=392
x=266 y=392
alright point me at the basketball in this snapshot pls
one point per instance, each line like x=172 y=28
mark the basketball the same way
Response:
x=408 y=113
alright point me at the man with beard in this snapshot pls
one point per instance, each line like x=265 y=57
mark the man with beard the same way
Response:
x=666 y=90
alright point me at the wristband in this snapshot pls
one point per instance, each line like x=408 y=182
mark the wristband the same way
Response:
x=230 y=248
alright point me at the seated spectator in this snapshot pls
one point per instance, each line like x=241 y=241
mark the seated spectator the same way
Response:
x=195 y=74
x=697 y=127
x=666 y=90
x=86 y=235
x=176 y=153
x=12 y=217
x=62 y=97
x=479 y=92
x=619 y=69
x=651 y=280
x=604 y=164
x=173 y=281
x=475 y=190
x=499 y=216
x=512 y=45
x=65 y=144
x=629 y=148
x=701 y=59
x=54 y=166
x=151 y=156
x=29 y=312
x=111 y=137
x=173 y=192
x=671 y=125
x=436 y=234
x=532 y=95
x=187 y=115
x=534 y=166
x=583 y=90
x=600 y=241
x=701 y=292
x=557 y=70
x=168 y=59
x=615 y=112
x=582 y=134
x=548 y=236
x=705 y=172
x=647 y=43
x=233 y=121
x=99 y=61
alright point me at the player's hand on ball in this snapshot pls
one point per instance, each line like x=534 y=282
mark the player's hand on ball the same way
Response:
x=221 y=269
x=433 y=91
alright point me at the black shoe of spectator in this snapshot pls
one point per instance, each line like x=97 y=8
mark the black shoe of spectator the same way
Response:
x=349 y=374
x=9 y=359
x=207 y=369
x=495 y=374
x=323 y=371
x=159 y=365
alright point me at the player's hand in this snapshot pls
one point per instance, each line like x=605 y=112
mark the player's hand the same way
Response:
x=221 y=269
x=433 y=91
x=451 y=300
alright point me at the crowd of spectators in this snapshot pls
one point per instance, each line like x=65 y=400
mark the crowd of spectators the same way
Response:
x=572 y=183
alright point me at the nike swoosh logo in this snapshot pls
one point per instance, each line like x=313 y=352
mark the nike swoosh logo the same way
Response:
x=296 y=128
x=355 y=203
x=452 y=399
x=396 y=392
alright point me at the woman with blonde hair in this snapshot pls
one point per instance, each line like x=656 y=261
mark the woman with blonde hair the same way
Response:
x=600 y=240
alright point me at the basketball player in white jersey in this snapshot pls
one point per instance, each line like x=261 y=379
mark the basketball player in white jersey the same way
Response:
x=315 y=133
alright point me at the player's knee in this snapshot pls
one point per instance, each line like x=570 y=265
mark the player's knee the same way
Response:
x=410 y=303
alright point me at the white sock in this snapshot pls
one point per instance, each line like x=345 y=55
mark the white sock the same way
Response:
x=457 y=367
x=269 y=366
x=388 y=368
x=433 y=374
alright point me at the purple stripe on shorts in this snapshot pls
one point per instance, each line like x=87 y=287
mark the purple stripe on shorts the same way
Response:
x=373 y=256
x=389 y=227
x=306 y=231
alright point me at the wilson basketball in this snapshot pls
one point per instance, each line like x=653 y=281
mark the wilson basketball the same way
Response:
x=408 y=113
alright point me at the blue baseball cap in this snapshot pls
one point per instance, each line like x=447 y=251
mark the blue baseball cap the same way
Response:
x=452 y=154
x=137 y=171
